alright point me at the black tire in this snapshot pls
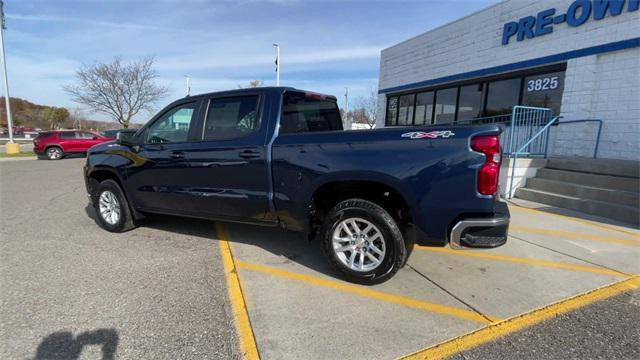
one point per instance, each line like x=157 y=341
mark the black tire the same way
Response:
x=54 y=153
x=396 y=251
x=125 y=220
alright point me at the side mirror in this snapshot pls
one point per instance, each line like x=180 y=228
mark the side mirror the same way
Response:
x=95 y=138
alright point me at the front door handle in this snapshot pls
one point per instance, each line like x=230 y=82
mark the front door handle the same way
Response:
x=177 y=155
x=249 y=154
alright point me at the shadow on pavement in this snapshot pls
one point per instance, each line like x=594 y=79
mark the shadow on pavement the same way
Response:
x=288 y=246
x=63 y=345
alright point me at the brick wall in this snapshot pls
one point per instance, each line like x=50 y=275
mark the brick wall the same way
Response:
x=603 y=86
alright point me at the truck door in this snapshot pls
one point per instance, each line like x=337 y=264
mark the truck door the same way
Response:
x=157 y=176
x=228 y=168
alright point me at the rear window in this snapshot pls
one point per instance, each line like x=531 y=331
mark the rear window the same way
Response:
x=43 y=135
x=306 y=113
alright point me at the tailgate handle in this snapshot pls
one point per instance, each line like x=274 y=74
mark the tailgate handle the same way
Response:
x=249 y=154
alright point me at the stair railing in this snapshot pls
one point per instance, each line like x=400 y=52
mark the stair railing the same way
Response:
x=543 y=133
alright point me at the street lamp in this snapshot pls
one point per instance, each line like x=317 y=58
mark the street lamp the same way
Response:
x=277 y=64
x=188 y=85
x=11 y=148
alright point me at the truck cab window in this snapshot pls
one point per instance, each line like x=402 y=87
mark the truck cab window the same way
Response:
x=173 y=126
x=303 y=113
x=231 y=118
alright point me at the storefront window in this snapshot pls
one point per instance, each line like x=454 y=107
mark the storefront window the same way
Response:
x=445 y=105
x=424 y=108
x=470 y=103
x=405 y=114
x=544 y=91
x=502 y=96
x=392 y=111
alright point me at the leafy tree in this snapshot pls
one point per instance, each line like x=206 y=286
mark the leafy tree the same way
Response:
x=119 y=90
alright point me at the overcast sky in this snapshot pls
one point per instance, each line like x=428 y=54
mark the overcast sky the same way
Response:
x=325 y=45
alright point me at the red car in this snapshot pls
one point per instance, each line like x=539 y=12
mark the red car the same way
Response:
x=56 y=144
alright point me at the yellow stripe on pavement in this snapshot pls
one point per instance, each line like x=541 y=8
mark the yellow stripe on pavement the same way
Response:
x=238 y=304
x=574 y=235
x=362 y=291
x=527 y=261
x=635 y=234
x=505 y=327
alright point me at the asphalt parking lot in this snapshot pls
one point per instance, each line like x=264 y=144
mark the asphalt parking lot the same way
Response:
x=179 y=288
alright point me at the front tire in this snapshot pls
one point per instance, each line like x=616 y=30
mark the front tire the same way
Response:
x=111 y=207
x=362 y=242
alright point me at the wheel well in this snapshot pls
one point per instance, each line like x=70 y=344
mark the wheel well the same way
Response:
x=53 y=145
x=101 y=175
x=329 y=195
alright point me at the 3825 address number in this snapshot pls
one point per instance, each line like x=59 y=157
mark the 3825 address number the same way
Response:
x=541 y=84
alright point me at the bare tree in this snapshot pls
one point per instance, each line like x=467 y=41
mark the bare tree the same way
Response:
x=120 y=90
x=252 y=84
x=369 y=104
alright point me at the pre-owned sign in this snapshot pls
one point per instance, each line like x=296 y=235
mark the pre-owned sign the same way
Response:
x=578 y=13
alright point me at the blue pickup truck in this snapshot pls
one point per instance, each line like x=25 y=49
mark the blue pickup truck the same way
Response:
x=278 y=156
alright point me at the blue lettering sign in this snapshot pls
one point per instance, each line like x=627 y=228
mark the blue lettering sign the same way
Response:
x=578 y=13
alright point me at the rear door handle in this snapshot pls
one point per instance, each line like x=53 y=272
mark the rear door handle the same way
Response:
x=177 y=155
x=249 y=154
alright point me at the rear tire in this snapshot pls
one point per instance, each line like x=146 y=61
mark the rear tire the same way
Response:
x=362 y=242
x=54 y=153
x=112 y=209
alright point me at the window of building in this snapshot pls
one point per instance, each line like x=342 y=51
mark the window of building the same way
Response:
x=424 y=108
x=405 y=114
x=231 y=118
x=544 y=91
x=470 y=102
x=502 y=96
x=445 y=106
x=173 y=126
x=484 y=98
x=392 y=111
x=302 y=113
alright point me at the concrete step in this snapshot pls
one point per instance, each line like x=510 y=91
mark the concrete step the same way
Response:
x=595 y=180
x=614 y=167
x=586 y=192
x=627 y=214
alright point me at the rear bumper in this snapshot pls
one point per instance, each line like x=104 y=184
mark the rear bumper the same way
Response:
x=481 y=232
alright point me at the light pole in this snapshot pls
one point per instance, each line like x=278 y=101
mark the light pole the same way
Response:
x=277 y=64
x=188 y=85
x=11 y=147
x=346 y=108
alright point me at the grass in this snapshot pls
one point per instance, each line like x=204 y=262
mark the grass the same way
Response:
x=20 y=154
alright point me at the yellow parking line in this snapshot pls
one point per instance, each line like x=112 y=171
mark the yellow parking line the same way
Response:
x=238 y=304
x=362 y=291
x=585 y=222
x=574 y=235
x=519 y=322
x=527 y=261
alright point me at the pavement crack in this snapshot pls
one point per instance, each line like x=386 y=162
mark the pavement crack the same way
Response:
x=569 y=255
x=490 y=320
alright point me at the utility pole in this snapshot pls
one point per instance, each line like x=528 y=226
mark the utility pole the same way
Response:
x=346 y=108
x=11 y=148
x=277 y=64
x=188 y=85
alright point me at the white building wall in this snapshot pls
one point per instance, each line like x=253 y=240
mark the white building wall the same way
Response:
x=602 y=86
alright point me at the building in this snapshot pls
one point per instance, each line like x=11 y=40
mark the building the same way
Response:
x=580 y=58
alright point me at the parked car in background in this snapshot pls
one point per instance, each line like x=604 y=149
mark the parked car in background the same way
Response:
x=55 y=145
x=113 y=133
x=280 y=157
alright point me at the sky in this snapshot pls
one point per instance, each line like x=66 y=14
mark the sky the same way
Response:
x=325 y=46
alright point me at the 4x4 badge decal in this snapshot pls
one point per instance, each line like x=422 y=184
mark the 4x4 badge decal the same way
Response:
x=430 y=135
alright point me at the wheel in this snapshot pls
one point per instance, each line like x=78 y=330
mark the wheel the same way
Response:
x=112 y=209
x=54 y=153
x=362 y=242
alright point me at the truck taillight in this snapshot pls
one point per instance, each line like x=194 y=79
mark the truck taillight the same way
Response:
x=489 y=172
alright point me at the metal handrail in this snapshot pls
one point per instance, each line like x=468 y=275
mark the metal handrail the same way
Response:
x=595 y=150
x=514 y=155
